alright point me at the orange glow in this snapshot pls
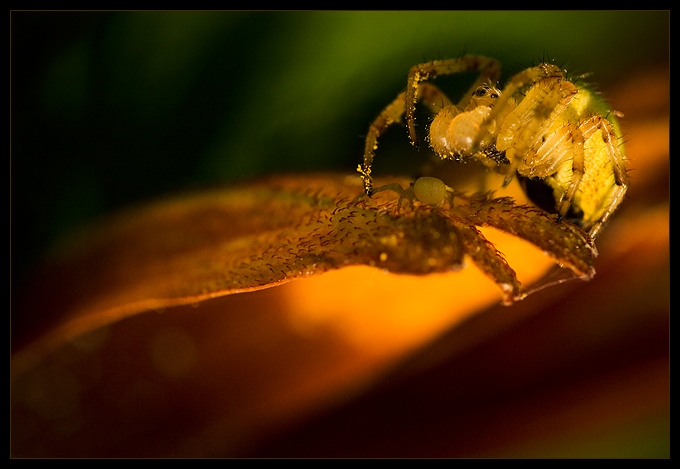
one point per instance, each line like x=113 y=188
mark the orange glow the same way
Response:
x=387 y=314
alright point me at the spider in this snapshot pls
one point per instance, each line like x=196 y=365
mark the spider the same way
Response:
x=428 y=190
x=558 y=137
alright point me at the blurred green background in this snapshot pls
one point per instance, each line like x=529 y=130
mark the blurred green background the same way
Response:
x=112 y=108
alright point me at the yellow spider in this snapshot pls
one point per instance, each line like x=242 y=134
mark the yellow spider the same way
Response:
x=541 y=126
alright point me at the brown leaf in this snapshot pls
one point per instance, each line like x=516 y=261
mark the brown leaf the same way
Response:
x=261 y=234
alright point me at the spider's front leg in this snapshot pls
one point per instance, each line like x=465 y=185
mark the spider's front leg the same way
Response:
x=391 y=114
x=432 y=97
x=534 y=135
x=540 y=106
x=557 y=149
x=489 y=71
x=407 y=194
x=552 y=136
x=417 y=89
x=605 y=181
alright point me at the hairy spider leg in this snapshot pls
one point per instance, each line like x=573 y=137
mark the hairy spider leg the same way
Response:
x=537 y=137
x=431 y=96
x=395 y=187
x=489 y=71
x=517 y=82
x=543 y=132
x=590 y=128
x=567 y=142
x=417 y=89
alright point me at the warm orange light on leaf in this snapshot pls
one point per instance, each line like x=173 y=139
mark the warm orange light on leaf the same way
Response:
x=262 y=234
x=386 y=314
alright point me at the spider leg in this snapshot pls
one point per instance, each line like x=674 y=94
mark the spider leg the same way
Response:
x=521 y=80
x=527 y=134
x=577 y=168
x=431 y=96
x=618 y=191
x=450 y=194
x=408 y=195
x=396 y=187
x=391 y=114
x=489 y=71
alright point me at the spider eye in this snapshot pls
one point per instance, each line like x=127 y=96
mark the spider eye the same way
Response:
x=481 y=91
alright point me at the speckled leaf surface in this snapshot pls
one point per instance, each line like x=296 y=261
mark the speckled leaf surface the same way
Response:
x=261 y=234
